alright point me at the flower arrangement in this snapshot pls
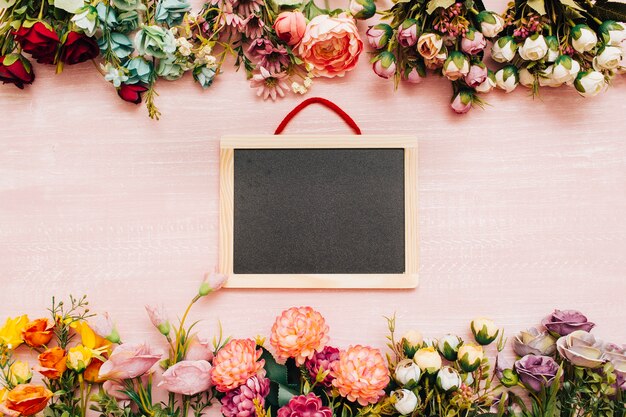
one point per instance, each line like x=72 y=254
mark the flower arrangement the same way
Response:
x=282 y=45
x=561 y=369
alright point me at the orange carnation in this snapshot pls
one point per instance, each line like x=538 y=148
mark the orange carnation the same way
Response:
x=298 y=333
x=52 y=363
x=38 y=332
x=28 y=399
x=237 y=361
x=361 y=374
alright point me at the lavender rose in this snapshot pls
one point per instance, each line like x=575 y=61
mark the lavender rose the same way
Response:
x=534 y=342
x=614 y=352
x=581 y=349
x=536 y=372
x=564 y=322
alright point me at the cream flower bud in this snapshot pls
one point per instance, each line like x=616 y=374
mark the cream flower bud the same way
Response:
x=534 y=48
x=428 y=360
x=553 y=48
x=448 y=379
x=546 y=78
x=448 y=346
x=404 y=401
x=487 y=85
x=608 y=58
x=490 y=23
x=456 y=66
x=484 y=330
x=565 y=70
x=583 y=38
x=612 y=33
x=507 y=78
x=470 y=357
x=411 y=342
x=590 y=83
x=503 y=50
x=407 y=372
x=526 y=78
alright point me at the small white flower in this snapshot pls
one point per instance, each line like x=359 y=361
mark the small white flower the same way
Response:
x=407 y=371
x=405 y=401
x=184 y=46
x=526 y=78
x=503 y=50
x=448 y=379
x=608 y=58
x=583 y=38
x=298 y=88
x=507 y=78
x=86 y=20
x=590 y=83
x=307 y=82
x=546 y=78
x=534 y=48
x=490 y=23
x=565 y=70
x=114 y=75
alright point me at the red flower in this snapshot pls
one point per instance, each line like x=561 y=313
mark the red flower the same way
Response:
x=132 y=92
x=79 y=48
x=39 y=40
x=15 y=69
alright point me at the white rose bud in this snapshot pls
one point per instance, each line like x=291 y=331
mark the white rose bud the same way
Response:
x=608 y=57
x=612 y=33
x=407 y=371
x=490 y=23
x=405 y=401
x=448 y=346
x=503 y=50
x=526 y=78
x=590 y=83
x=565 y=70
x=485 y=330
x=553 y=48
x=534 y=48
x=456 y=66
x=546 y=78
x=428 y=360
x=583 y=38
x=487 y=85
x=507 y=78
x=448 y=379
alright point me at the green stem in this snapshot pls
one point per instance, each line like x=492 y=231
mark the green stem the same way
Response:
x=43 y=3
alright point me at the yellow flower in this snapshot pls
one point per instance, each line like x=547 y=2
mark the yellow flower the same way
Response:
x=20 y=373
x=11 y=332
x=89 y=338
x=79 y=357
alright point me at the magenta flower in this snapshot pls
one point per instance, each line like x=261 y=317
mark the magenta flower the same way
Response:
x=267 y=55
x=269 y=84
x=309 y=405
x=536 y=372
x=239 y=402
x=322 y=361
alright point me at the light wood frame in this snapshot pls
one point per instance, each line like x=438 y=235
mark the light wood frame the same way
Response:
x=408 y=279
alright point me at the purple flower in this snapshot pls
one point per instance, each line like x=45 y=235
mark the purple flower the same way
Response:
x=240 y=401
x=267 y=55
x=253 y=26
x=309 y=405
x=536 y=372
x=564 y=322
x=322 y=360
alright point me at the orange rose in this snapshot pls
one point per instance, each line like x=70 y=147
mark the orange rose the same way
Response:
x=28 y=399
x=92 y=371
x=52 y=363
x=38 y=332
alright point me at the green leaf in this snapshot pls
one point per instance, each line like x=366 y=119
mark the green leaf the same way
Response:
x=285 y=393
x=275 y=371
x=572 y=4
x=287 y=2
x=435 y=4
x=610 y=10
x=537 y=5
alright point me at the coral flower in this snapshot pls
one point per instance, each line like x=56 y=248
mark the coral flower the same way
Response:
x=361 y=374
x=28 y=399
x=298 y=333
x=52 y=363
x=38 y=332
x=237 y=361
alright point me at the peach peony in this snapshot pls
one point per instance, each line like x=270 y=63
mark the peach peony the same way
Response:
x=28 y=399
x=298 y=333
x=361 y=374
x=237 y=361
x=331 y=45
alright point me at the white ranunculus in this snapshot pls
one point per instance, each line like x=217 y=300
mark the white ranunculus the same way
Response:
x=590 y=83
x=487 y=85
x=507 y=78
x=428 y=359
x=503 y=50
x=407 y=371
x=609 y=57
x=534 y=48
x=448 y=379
x=546 y=78
x=405 y=401
x=526 y=78
x=70 y=6
x=565 y=70
x=583 y=38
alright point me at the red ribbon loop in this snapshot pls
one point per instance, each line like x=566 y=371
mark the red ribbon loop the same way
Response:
x=349 y=121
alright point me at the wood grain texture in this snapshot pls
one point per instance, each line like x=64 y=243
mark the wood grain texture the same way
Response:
x=521 y=204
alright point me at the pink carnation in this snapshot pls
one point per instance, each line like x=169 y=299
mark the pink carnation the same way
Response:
x=298 y=333
x=361 y=374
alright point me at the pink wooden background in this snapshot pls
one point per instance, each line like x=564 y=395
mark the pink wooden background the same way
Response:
x=522 y=205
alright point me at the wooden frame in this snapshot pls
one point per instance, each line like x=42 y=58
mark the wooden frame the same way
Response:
x=408 y=279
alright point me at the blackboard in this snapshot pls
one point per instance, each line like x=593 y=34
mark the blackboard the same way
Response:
x=319 y=211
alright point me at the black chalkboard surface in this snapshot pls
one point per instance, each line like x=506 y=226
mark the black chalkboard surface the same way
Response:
x=319 y=211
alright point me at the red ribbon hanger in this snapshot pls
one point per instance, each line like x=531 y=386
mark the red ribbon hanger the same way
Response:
x=349 y=121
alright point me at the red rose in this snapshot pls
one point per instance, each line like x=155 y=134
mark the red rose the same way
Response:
x=39 y=40
x=132 y=92
x=79 y=48
x=16 y=69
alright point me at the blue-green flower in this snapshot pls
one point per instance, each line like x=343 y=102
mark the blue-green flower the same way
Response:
x=119 y=43
x=170 y=69
x=106 y=15
x=155 y=41
x=127 y=21
x=128 y=4
x=172 y=11
x=204 y=75
x=139 y=70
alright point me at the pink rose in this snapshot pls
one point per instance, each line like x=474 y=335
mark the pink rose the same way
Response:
x=477 y=75
x=414 y=75
x=462 y=102
x=385 y=65
x=129 y=361
x=187 y=377
x=290 y=27
x=331 y=45
x=199 y=350
x=473 y=42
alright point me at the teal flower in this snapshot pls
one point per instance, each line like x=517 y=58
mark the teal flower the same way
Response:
x=128 y=4
x=139 y=70
x=119 y=43
x=127 y=21
x=204 y=75
x=172 y=11
x=106 y=15
x=155 y=41
x=170 y=69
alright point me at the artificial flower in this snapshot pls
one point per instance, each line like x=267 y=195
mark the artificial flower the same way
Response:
x=119 y=44
x=11 y=332
x=233 y=364
x=38 y=39
x=429 y=45
x=404 y=401
x=487 y=85
x=490 y=23
x=411 y=341
x=456 y=66
x=204 y=75
x=612 y=33
x=581 y=349
x=155 y=41
x=211 y=283
x=449 y=345
x=19 y=373
x=321 y=364
x=299 y=333
x=564 y=322
x=385 y=64
x=362 y=9
x=565 y=70
x=171 y=12
x=536 y=372
x=52 y=363
x=473 y=42
x=132 y=92
x=86 y=19
x=507 y=78
x=583 y=38
x=484 y=330
x=378 y=35
x=170 y=69
x=198 y=349
x=28 y=399
x=187 y=377
x=413 y=75
x=290 y=27
x=589 y=84
x=533 y=341
x=309 y=405
x=476 y=75
x=16 y=70
x=608 y=58
x=470 y=356
x=408 y=32
x=115 y=389
x=534 y=48
x=70 y=6
x=361 y=374
x=103 y=326
x=448 y=379
x=78 y=48
x=114 y=75
x=269 y=84
x=428 y=359
x=92 y=372
x=239 y=402
x=407 y=372
x=79 y=357
x=129 y=361
x=504 y=49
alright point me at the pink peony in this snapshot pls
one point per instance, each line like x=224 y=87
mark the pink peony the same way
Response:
x=199 y=350
x=331 y=45
x=309 y=405
x=322 y=361
x=361 y=374
x=129 y=361
x=298 y=333
x=290 y=27
x=237 y=361
x=187 y=377
x=240 y=401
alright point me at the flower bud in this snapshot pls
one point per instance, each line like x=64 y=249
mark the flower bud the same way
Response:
x=612 y=33
x=456 y=66
x=414 y=75
x=489 y=83
x=411 y=342
x=534 y=48
x=158 y=317
x=477 y=75
x=211 y=283
x=509 y=378
x=473 y=42
x=78 y=358
x=484 y=330
x=362 y=9
x=448 y=346
x=448 y=379
x=546 y=78
x=378 y=36
x=428 y=360
x=429 y=45
x=470 y=357
x=526 y=78
x=19 y=373
x=385 y=64
x=407 y=33
x=553 y=48
x=607 y=58
x=503 y=50
x=507 y=78
x=490 y=24
x=565 y=70
x=590 y=83
x=103 y=325
x=404 y=401
x=407 y=372
x=583 y=38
